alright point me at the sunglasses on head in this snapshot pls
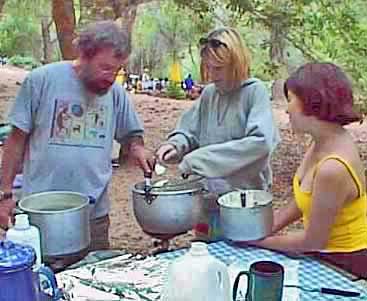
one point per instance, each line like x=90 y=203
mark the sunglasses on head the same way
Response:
x=211 y=42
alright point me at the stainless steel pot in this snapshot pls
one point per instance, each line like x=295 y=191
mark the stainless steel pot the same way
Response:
x=246 y=215
x=62 y=218
x=164 y=211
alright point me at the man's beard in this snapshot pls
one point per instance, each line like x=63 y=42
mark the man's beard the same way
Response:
x=92 y=85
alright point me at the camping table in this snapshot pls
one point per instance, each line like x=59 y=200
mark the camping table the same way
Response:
x=312 y=274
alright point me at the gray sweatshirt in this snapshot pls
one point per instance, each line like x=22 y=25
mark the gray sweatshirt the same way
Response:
x=228 y=138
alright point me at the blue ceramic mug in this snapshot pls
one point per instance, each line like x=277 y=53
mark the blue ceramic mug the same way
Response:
x=265 y=281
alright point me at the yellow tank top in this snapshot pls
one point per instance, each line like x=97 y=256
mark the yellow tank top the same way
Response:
x=349 y=232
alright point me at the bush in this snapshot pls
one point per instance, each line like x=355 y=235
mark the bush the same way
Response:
x=175 y=91
x=26 y=62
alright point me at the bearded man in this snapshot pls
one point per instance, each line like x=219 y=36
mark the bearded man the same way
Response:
x=65 y=118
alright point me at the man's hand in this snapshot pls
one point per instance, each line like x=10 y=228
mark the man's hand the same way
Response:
x=6 y=212
x=138 y=156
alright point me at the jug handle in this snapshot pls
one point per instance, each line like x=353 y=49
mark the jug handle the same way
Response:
x=49 y=274
x=236 y=283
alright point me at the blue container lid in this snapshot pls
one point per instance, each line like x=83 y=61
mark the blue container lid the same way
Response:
x=14 y=256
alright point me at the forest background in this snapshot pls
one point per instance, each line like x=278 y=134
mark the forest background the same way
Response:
x=282 y=34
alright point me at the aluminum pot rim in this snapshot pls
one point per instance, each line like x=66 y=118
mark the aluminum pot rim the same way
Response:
x=157 y=193
x=247 y=208
x=35 y=211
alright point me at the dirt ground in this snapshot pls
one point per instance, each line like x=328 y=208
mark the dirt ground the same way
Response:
x=159 y=116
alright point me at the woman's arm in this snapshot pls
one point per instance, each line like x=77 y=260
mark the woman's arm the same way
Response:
x=185 y=137
x=332 y=185
x=285 y=216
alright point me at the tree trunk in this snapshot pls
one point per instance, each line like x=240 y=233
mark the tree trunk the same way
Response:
x=192 y=55
x=46 y=38
x=277 y=44
x=2 y=3
x=64 y=16
x=123 y=11
x=126 y=21
x=278 y=34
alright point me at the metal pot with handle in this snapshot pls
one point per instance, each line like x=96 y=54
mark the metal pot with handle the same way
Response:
x=246 y=215
x=169 y=207
x=63 y=220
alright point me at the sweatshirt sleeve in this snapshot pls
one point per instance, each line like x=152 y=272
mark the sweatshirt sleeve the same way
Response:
x=251 y=152
x=185 y=136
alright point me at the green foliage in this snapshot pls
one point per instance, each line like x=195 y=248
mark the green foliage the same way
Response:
x=20 y=27
x=164 y=32
x=336 y=32
x=26 y=62
x=322 y=30
x=188 y=66
x=175 y=91
x=326 y=30
x=18 y=35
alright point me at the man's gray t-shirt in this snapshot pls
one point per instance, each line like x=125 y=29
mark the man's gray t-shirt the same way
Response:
x=71 y=133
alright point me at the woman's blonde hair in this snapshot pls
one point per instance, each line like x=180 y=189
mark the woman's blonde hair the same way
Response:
x=231 y=52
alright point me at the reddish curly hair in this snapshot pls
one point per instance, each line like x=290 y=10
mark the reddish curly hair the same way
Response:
x=325 y=91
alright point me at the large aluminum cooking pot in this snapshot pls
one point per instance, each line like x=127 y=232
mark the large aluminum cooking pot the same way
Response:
x=166 y=210
x=246 y=215
x=63 y=220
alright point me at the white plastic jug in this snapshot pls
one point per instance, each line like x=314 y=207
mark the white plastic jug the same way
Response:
x=25 y=234
x=197 y=276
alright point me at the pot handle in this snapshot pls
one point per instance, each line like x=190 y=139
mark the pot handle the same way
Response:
x=17 y=211
x=49 y=281
x=149 y=198
x=92 y=200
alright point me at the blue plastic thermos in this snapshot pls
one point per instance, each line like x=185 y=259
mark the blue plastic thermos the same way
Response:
x=18 y=282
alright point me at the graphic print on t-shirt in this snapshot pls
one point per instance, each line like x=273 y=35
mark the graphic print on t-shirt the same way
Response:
x=79 y=125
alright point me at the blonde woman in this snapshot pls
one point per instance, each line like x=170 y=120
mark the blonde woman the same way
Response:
x=228 y=135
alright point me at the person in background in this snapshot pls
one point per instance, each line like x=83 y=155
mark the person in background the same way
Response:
x=163 y=85
x=229 y=134
x=65 y=118
x=145 y=79
x=139 y=85
x=329 y=185
x=3 y=60
x=166 y=82
x=189 y=84
x=121 y=76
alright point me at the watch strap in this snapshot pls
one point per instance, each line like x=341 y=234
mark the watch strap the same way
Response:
x=5 y=195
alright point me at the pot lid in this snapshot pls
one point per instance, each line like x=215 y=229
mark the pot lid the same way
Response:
x=15 y=256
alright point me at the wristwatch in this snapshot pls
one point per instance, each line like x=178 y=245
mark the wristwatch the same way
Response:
x=5 y=195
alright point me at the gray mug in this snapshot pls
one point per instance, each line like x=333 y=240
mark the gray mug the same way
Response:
x=264 y=282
